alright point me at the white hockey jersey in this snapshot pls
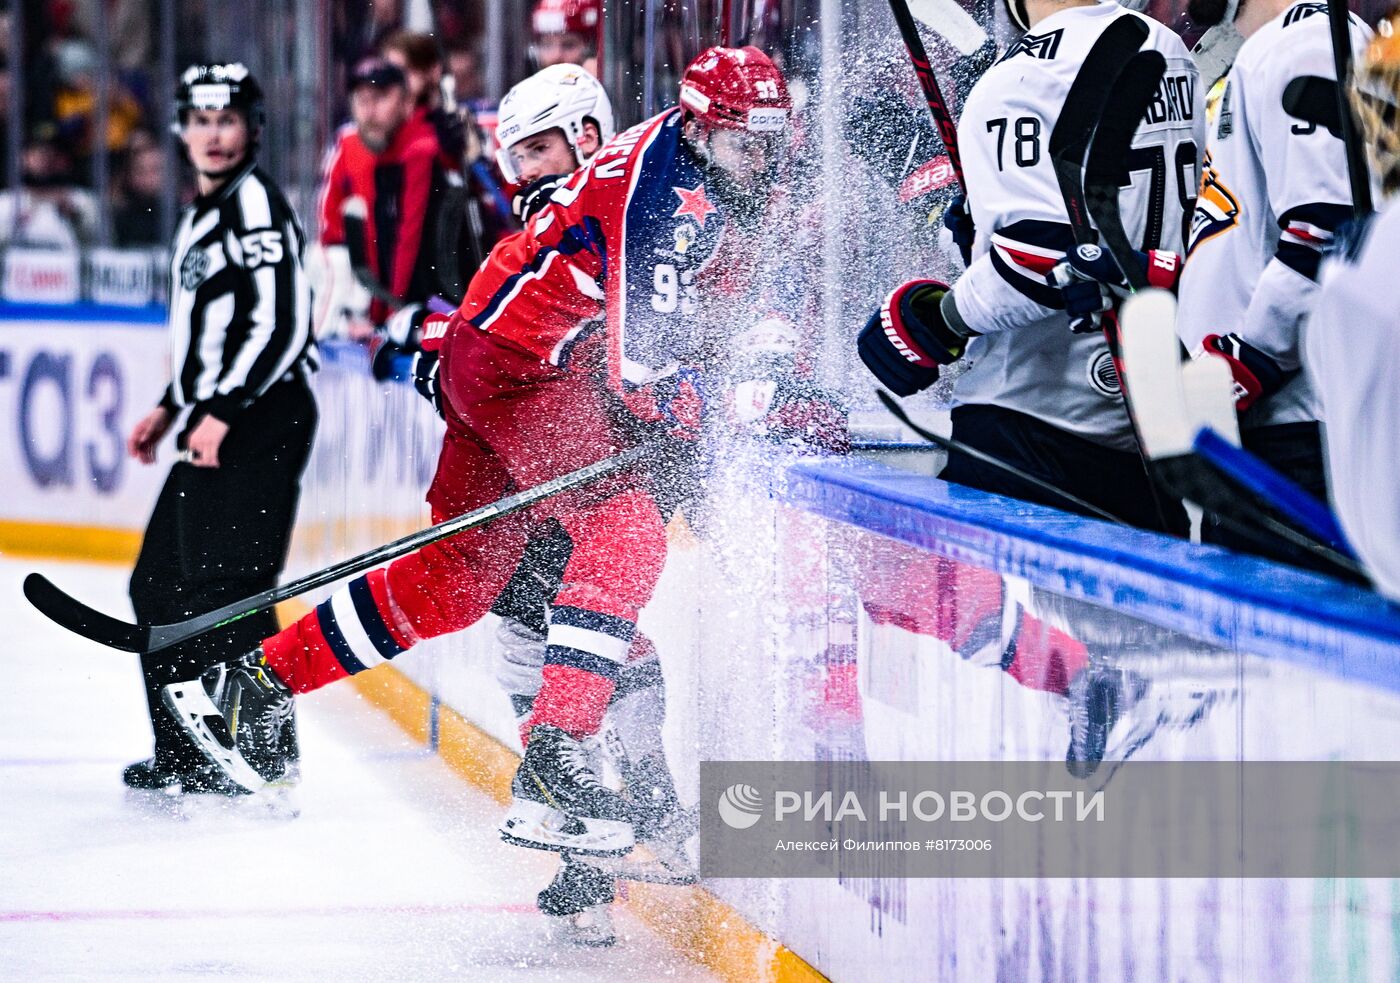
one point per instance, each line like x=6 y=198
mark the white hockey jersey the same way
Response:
x=1272 y=191
x=1352 y=357
x=1027 y=359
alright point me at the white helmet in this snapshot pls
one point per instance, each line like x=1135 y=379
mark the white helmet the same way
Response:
x=558 y=97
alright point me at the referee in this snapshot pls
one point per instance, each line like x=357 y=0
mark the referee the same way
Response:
x=241 y=357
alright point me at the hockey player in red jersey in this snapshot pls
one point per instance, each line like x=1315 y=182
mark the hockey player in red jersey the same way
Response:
x=595 y=306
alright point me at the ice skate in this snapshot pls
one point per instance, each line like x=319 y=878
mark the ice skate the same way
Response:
x=1098 y=698
x=235 y=713
x=576 y=904
x=559 y=803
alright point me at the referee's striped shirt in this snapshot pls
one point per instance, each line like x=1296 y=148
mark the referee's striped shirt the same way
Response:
x=240 y=303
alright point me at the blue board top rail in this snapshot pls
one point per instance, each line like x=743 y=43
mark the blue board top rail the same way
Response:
x=1227 y=599
x=83 y=314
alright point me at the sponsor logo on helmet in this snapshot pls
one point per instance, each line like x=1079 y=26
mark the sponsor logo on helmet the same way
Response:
x=767 y=120
x=216 y=95
x=693 y=98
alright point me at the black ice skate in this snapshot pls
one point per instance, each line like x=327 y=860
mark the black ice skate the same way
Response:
x=559 y=804
x=1098 y=699
x=576 y=903
x=235 y=714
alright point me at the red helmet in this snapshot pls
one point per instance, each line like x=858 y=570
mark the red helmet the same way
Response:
x=566 y=17
x=737 y=89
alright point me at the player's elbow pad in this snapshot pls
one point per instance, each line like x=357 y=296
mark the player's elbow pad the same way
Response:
x=915 y=331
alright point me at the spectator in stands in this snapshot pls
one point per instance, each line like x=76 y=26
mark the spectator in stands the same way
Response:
x=48 y=210
x=75 y=103
x=418 y=57
x=464 y=68
x=566 y=32
x=391 y=162
x=136 y=219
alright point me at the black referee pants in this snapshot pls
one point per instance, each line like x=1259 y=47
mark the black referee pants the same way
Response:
x=218 y=535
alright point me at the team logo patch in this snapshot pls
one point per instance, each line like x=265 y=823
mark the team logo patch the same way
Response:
x=1042 y=46
x=1217 y=208
x=1103 y=375
x=694 y=203
x=686 y=233
x=194 y=269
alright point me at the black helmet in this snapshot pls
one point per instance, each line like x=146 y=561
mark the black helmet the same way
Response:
x=227 y=86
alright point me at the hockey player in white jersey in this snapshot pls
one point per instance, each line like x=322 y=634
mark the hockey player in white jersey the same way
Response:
x=1352 y=339
x=1035 y=394
x=1273 y=191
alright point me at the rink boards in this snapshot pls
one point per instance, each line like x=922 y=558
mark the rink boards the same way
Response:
x=820 y=612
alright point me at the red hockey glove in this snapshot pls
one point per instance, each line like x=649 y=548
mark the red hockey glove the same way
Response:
x=1256 y=374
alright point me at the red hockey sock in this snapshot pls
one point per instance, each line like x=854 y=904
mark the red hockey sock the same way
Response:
x=351 y=631
x=574 y=700
x=1045 y=657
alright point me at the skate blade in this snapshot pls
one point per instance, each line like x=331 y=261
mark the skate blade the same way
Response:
x=536 y=826
x=190 y=705
x=589 y=927
x=646 y=871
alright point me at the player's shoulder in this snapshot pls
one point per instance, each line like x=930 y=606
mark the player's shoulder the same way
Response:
x=620 y=154
x=1302 y=28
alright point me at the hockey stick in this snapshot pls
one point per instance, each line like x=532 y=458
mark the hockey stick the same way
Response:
x=354 y=213
x=80 y=619
x=1083 y=108
x=957 y=446
x=937 y=105
x=1339 y=20
x=1259 y=479
x=1106 y=163
x=1169 y=424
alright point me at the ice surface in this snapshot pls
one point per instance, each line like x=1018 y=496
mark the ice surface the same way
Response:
x=393 y=870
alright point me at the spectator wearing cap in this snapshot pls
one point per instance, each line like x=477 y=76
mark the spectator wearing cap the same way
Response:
x=389 y=159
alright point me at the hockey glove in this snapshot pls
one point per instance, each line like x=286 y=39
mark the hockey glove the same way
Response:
x=788 y=410
x=1091 y=282
x=535 y=196
x=404 y=327
x=911 y=335
x=674 y=403
x=425 y=379
x=1256 y=374
x=958 y=221
x=388 y=361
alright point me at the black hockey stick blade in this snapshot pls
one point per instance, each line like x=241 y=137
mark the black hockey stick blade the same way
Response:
x=1105 y=167
x=1313 y=99
x=82 y=620
x=928 y=82
x=1082 y=109
x=959 y=447
x=77 y=617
